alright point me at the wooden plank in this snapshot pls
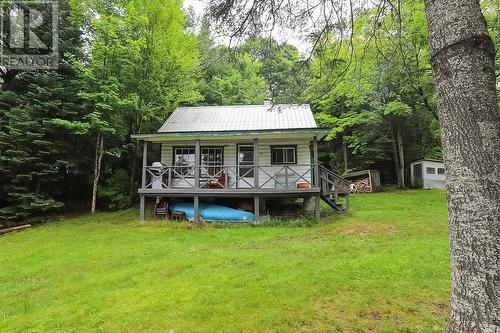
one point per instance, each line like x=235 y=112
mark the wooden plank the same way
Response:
x=21 y=227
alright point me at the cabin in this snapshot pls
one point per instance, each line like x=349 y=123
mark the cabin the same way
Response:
x=252 y=152
x=428 y=173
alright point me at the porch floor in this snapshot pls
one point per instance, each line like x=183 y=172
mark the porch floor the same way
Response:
x=237 y=192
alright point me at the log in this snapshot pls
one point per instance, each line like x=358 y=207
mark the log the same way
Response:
x=21 y=227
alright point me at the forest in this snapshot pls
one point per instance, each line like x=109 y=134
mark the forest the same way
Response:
x=125 y=65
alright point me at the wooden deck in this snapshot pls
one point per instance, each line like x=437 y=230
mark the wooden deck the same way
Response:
x=236 y=192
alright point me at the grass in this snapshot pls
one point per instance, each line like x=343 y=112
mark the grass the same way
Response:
x=382 y=268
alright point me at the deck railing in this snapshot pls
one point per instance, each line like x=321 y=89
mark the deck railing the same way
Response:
x=291 y=176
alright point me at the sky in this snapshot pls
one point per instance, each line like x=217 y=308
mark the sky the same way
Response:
x=280 y=35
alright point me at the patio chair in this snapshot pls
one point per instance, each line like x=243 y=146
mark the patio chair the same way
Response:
x=218 y=183
x=161 y=209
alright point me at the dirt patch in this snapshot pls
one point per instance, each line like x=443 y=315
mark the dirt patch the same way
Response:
x=364 y=229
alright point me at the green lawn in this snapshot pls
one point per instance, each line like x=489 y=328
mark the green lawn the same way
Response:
x=382 y=268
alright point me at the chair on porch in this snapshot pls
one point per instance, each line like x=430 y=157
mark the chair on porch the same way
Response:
x=161 y=209
x=218 y=183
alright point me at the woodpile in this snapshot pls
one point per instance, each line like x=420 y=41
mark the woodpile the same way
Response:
x=366 y=181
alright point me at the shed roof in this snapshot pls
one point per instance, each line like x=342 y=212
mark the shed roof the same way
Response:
x=239 y=118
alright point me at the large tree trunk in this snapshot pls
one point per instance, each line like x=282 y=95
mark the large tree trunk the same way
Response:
x=396 y=156
x=99 y=149
x=401 y=158
x=462 y=56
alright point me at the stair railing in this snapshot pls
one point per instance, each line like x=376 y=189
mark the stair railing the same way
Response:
x=332 y=183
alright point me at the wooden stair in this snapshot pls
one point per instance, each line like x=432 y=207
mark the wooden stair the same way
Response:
x=332 y=187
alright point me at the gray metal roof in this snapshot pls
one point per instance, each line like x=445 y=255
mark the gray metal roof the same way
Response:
x=239 y=118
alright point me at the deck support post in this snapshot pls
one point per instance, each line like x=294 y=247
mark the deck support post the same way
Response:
x=256 y=208
x=142 y=205
x=142 y=208
x=317 y=208
x=196 y=207
x=197 y=156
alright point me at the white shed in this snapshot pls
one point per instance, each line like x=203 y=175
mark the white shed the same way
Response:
x=428 y=173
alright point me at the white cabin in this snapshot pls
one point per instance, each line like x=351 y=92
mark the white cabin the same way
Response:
x=254 y=151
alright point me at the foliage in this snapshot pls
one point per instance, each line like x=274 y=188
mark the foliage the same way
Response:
x=114 y=193
x=375 y=87
x=388 y=260
x=36 y=157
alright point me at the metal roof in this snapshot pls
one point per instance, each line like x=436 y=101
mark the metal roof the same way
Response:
x=239 y=118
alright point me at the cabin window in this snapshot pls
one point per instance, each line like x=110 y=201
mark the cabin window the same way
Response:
x=212 y=159
x=440 y=171
x=284 y=155
x=431 y=171
x=184 y=160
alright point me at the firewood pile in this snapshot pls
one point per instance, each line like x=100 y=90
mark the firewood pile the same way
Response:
x=362 y=185
x=364 y=181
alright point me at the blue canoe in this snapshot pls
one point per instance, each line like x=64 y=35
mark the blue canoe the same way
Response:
x=214 y=212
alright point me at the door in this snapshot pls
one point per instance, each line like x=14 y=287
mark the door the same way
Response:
x=245 y=166
x=417 y=175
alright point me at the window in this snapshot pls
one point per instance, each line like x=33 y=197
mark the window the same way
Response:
x=440 y=171
x=212 y=160
x=430 y=171
x=184 y=160
x=284 y=155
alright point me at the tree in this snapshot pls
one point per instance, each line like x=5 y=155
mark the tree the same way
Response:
x=463 y=61
x=36 y=157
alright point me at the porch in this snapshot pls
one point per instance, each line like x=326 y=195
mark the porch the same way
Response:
x=265 y=168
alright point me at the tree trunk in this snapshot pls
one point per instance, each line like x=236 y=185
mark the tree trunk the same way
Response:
x=344 y=153
x=99 y=149
x=462 y=57
x=132 y=185
x=397 y=164
x=401 y=158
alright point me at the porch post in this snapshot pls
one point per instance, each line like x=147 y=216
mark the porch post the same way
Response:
x=256 y=163
x=317 y=180
x=197 y=157
x=142 y=208
x=144 y=163
x=196 y=199
x=317 y=208
x=196 y=207
x=256 y=199
x=142 y=205
x=316 y=162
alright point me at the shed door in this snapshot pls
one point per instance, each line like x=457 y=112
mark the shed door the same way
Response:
x=417 y=174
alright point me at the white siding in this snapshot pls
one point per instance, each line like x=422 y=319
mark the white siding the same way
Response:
x=230 y=159
x=435 y=180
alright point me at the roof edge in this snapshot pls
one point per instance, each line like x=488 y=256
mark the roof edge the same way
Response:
x=315 y=130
